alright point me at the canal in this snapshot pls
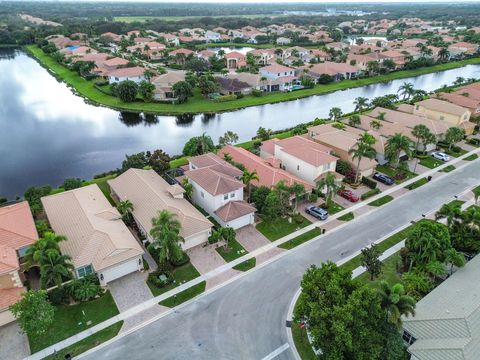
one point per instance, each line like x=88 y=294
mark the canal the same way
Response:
x=47 y=133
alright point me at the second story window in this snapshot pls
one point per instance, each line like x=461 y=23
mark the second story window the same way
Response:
x=232 y=195
x=225 y=197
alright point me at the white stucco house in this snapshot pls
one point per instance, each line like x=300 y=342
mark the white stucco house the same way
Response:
x=135 y=74
x=218 y=190
x=212 y=36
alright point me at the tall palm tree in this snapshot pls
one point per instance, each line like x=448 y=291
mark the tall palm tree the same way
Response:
x=363 y=149
x=360 y=103
x=55 y=268
x=450 y=211
x=424 y=136
x=375 y=124
x=38 y=252
x=125 y=207
x=455 y=258
x=406 y=90
x=188 y=187
x=381 y=115
x=247 y=178
x=443 y=54
x=354 y=120
x=330 y=185
x=395 y=145
x=436 y=269
x=165 y=233
x=395 y=302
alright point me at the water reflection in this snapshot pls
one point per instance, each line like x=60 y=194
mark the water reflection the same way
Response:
x=48 y=134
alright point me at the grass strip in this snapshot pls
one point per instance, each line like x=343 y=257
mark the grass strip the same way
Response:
x=347 y=217
x=246 y=265
x=185 y=295
x=301 y=239
x=381 y=201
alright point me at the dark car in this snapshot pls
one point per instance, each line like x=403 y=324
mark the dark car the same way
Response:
x=387 y=180
x=317 y=212
x=349 y=195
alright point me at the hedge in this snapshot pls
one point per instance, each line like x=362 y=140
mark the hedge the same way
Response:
x=370 y=193
x=369 y=182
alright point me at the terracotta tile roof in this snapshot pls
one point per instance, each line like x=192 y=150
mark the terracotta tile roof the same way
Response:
x=116 y=61
x=214 y=182
x=149 y=194
x=442 y=106
x=234 y=55
x=234 y=210
x=127 y=72
x=329 y=68
x=8 y=259
x=459 y=100
x=471 y=93
x=275 y=68
x=95 y=232
x=215 y=162
x=268 y=175
x=10 y=296
x=180 y=51
x=17 y=228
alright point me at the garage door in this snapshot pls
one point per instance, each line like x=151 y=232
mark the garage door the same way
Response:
x=117 y=271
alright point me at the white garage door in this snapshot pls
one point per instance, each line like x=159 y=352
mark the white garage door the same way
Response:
x=117 y=271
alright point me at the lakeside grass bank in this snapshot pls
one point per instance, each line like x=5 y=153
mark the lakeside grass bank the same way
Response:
x=198 y=104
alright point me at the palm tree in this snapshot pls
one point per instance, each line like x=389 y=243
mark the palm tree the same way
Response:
x=381 y=115
x=148 y=74
x=436 y=269
x=297 y=190
x=55 y=268
x=424 y=136
x=443 y=54
x=335 y=113
x=165 y=233
x=450 y=211
x=395 y=145
x=453 y=136
x=354 y=120
x=125 y=207
x=375 y=124
x=406 y=90
x=363 y=149
x=187 y=187
x=459 y=80
x=360 y=103
x=247 y=178
x=395 y=303
x=38 y=252
x=455 y=258
x=330 y=185
x=228 y=234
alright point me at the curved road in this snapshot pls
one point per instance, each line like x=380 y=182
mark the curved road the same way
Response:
x=246 y=318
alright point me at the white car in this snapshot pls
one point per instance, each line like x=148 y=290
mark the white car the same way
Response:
x=441 y=156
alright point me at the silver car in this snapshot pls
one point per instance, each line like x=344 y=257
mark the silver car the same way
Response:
x=441 y=156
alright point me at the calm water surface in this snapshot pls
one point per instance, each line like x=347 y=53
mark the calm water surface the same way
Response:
x=48 y=134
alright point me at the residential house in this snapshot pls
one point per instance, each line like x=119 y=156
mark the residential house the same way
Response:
x=300 y=156
x=232 y=86
x=164 y=85
x=17 y=234
x=264 y=56
x=172 y=40
x=135 y=74
x=218 y=190
x=445 y=111
x=181 y=54
x=205 y=54
x=280 y=78
x=235 y=60
x=445 y=325
x=457 y=98
x=283 y=41
x=269 y=173
x=115 y=37
x=150 y=193
x=255 y=81
x=212 y=36
x=337 y=71
x=236 y=34
x=98 y=240
x=342 y=142
x=460 y=49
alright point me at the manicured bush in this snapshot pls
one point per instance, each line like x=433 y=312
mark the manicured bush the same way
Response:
x=257 y=93
x=313 y=197
x=474 y=141
x=153 y=278
x=58 y=296
x=370 y=193
x=369 y=182
x=185 y=259
x=226 y=98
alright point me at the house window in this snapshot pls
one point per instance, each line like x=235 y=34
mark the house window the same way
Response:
x=408 y=338
x=232 y=195
x=84 y=271
x=298 y=167
x=202 y=194
x=225 y=197
x=278 y=74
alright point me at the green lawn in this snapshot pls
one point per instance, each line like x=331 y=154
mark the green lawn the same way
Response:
x=301 y=239
x=89 y=342
x=417 y=184
x=302 y=344
x=198 y=103
x=430 y=162
x=181 y=275
x=234 y=251
x=389 y=272
x=471 y=157
x=185 y=295
x=448 y=168
x=456 y=203
x=69 y=320
x=455 y=154
x=246 y=265
x=334 y=208
x=347 y=217
x=178 y=162
x=381 y=201
x=276 y=229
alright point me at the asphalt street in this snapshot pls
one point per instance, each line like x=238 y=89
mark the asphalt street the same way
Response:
x=246 y=318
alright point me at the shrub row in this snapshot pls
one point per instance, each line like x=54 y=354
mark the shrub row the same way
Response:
x=370 y=193
x=369 y=182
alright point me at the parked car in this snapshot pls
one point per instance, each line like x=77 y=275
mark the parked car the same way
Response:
x=317 y=212
x=349 y=195
x=441 y=156
x=387 y=180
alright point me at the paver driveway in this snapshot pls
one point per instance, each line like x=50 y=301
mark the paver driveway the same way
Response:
x=252 y=239
x=13 y=343
x=131 y=290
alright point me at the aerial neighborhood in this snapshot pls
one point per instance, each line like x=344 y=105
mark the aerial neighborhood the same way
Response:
x=361 y=228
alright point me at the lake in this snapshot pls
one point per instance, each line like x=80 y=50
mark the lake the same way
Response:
x=47 y=133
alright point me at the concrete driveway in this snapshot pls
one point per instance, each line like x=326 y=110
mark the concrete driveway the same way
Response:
x=13 y=342
x=252 y=239
x=129 y=291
